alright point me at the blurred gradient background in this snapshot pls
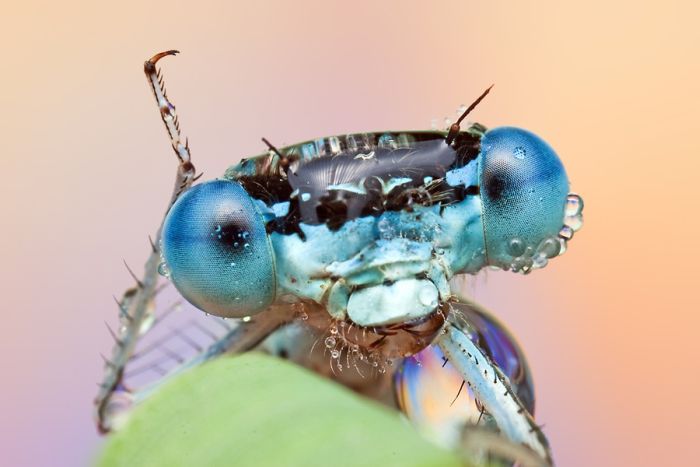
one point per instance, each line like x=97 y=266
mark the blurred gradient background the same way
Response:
x=610 y=328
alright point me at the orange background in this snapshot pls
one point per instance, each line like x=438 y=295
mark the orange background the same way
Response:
x=610 y=328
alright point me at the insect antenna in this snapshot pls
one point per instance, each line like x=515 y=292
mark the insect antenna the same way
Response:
x=454 y=128
x=283 y=160
x=271 y=147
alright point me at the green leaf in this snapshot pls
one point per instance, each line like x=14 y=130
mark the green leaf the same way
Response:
x=261 y=411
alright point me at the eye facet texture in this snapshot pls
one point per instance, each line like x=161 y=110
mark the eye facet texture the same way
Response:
x=217 y=251
x=523 y=190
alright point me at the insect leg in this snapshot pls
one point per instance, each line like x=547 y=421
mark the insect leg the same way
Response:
x=186 y=171
x=137 y=302
x=491 y=387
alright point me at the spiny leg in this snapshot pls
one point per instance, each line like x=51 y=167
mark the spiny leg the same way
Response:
x=186 y=171
x=136 y=302
x=491 y=387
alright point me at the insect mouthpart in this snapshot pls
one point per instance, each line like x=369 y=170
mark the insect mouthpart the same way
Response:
x=381 y=342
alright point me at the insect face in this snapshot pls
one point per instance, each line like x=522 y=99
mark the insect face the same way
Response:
x=524 y=192
x=217 y=251
x=352 y=240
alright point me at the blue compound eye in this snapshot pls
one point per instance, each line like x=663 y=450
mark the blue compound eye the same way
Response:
x=524 y=191
x=217 y=251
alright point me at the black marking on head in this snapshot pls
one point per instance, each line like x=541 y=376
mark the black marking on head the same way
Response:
x=367 y=167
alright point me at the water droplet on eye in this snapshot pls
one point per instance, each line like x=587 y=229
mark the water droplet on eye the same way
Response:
x=519 y=152
x=246 y=245
x=217 y=229
x=329 y=342
x=549 y=248
x=539 y=261
x=163 y=270
x=428 y=296
x=516 y=247
x=575 y=222
x=566 y=232
x=335 y=354
x=245 y=234
x=562 y=246
x=574 y=205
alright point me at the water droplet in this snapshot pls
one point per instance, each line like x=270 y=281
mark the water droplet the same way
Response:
x=246 y=245
x=549 y=248
x=335 y=354
x=304 y=316
x=461 y=109
x=519 y=152
x=375 y=364
x=516 y=247
x=566 y=232
x=428 y=296
x=562 y=246
x=246 y=319
x=575 y=222
x=384 y=226
x=382 y=370
x=574 y=205
x=245 y=234
x=305 y=196
x=433 y=123
x=148 y=321
x=163 y=270
x=233 y=264
x=334 y=330
x=389 y=362
x=329 y=342
x=539 y=261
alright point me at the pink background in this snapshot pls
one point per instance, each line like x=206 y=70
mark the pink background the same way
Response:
x=610 y=328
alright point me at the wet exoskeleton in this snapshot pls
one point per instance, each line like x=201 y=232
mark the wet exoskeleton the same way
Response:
x=339 y=254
